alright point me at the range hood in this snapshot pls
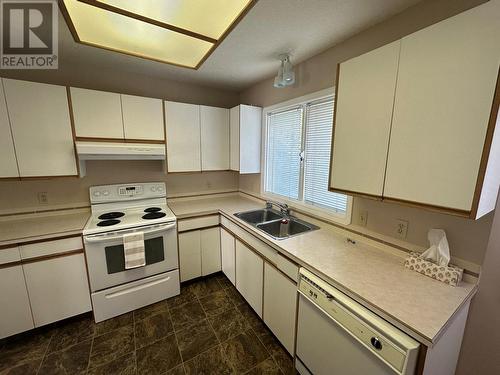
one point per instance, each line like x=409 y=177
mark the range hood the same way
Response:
x=117 y=151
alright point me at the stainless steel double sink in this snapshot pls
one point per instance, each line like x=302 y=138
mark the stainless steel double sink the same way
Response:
x=276 y=224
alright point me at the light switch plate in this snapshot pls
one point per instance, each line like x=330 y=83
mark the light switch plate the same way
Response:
x=401 y=228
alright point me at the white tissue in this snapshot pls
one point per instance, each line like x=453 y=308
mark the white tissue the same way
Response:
x=439 y=252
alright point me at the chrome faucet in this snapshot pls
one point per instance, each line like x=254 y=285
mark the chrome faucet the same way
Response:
x=284 y=209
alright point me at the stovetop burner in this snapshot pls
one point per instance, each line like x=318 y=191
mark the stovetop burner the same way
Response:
x=152 y=209
x=107 y=223
x=154 y=215
x=111 y=215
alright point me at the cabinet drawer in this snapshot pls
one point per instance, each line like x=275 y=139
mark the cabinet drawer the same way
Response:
x=10 y=255
x=287 y=267
x=198 y=222
x=50 y=247
x=134 y=295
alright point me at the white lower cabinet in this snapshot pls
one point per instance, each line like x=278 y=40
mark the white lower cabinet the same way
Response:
x=57 y=288
x=189 y=255
x=199 y=253
x=280 y=306
x=249 y=276
x=228 y=254
x=210 y=251
x=15 y=314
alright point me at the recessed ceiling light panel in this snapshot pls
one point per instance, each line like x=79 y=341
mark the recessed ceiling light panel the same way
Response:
x=210 y=18
x=179 y=32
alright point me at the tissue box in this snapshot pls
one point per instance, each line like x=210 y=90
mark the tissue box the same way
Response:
x=450 y=274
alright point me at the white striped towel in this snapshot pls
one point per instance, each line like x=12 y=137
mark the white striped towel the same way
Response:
x=133 y=249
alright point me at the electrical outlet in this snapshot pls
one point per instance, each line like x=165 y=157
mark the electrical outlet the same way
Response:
x=363 y=218
x=401 y=228
x=43 y=197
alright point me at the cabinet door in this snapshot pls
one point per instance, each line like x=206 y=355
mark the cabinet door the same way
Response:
x=190 y=255
x=210 y=251
x=8 y=163
x=97 y=114
x=234 y=138
x=446 y=83
x=142 y=118
x=15 y=314
x=183 y=137
x=365 y=96
x=280 y=306
x=249 y=276
x=227 y=244
x=214 y=138
x=250 y=136
x=41 y=128
x=58 y=288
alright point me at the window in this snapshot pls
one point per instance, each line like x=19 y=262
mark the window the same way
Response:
x=297 y=156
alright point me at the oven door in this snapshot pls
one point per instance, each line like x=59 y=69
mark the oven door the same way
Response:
x=106 y=259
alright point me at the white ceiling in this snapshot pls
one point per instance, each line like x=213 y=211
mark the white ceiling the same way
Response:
x=302 y=28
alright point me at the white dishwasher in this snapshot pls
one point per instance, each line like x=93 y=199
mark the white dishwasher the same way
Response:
x=336 y=335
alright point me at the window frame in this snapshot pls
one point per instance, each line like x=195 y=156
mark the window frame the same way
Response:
x=299 y=204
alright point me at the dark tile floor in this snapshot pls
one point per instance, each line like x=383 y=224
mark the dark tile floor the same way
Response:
x=207 y=329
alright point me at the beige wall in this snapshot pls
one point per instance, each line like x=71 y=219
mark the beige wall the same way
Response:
x=21 y=196
x=467 y=238
x=70 y=192
x=481 y=345
x=319 y=71
x=91 y=77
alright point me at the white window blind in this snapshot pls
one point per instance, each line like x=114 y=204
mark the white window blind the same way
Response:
x=318 y=138
x=298 y=146
x=284 y=145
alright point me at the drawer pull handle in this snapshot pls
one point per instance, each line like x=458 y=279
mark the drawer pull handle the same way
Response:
x=376 y=343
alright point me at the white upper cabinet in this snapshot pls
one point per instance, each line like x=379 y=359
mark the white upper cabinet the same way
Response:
x=142 y=118
x=97 y=114
x=446 y=84
x=440 y=149
x=8 y=163
x=182 y=123
x=41 y=128
x=365 y=96
x=245 y=138
x=214 y=124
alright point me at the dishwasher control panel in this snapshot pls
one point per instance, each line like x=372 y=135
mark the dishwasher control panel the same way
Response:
x=370 y=330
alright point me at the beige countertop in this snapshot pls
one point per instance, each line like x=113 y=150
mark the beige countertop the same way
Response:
x=31 y=227
x=371 y=273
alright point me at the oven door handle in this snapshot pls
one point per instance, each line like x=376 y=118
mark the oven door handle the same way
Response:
x=111 y=236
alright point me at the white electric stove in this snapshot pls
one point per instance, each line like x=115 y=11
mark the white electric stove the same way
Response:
x=122 y=209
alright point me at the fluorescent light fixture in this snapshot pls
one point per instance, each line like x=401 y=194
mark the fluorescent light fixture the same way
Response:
x=178 y=32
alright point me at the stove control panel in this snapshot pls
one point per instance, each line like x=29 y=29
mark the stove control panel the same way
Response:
x=130 y=190
x=124 y=192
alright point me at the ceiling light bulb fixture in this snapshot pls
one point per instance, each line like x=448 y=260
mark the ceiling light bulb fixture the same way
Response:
x=286 y=75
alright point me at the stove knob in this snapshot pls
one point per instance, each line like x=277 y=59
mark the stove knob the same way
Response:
x=97 y=193
x=105 y=193
x=153 y=188
x=159 y=188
